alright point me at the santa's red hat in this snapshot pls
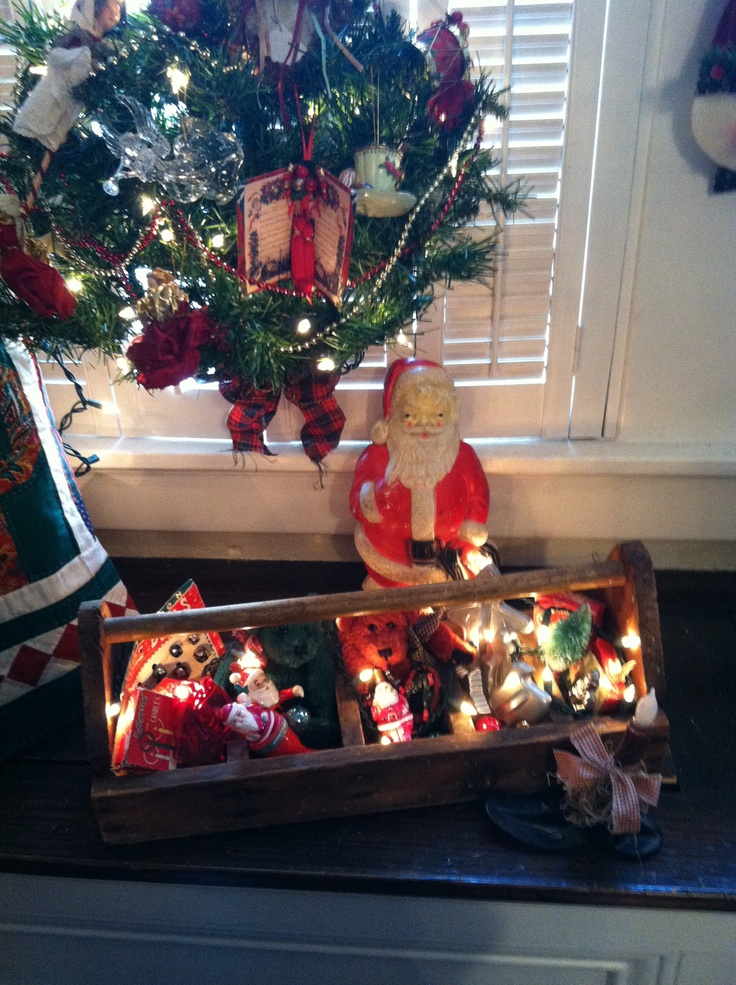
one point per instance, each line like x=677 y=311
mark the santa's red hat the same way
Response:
x=399 y=374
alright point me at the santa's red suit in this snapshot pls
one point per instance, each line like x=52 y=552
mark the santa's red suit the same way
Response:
x=461 y=496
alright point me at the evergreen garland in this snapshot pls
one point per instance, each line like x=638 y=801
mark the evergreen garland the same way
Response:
x=226 y=89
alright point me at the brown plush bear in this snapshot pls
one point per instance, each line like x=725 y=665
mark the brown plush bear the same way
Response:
x=375 y=642
x=408 y=649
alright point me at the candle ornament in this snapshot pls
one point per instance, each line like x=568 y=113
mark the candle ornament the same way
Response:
x=638 y=731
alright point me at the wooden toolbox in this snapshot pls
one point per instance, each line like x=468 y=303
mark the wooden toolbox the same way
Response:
x=357 y=778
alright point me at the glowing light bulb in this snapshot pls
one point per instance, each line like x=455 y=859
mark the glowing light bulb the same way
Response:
x=326 y=364
x=166 y=234
x=629 y=694
x=468 y=708
x=631 y=641
x=181 y=692
x=37 y=70
x=75 y=285
x=127 y=313
x=112 y=709
x=148 y=204
x=177 y=79
x=543 y=634
x=365 y=675
x=218 y=241
x=304 y=326
x=385 y=741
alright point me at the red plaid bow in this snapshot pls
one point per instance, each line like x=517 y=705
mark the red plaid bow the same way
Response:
x=629 y=784
x=254 y=408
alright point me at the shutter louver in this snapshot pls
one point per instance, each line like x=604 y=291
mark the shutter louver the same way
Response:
x=501 y=333
x=7 y=65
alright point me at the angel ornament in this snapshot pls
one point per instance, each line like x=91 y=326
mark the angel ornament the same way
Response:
x=204 y=163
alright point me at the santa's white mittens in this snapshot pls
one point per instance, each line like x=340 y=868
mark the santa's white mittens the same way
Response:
x=473 y=532
x=368 y=503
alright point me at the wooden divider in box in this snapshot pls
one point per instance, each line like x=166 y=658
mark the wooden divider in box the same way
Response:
x=356 y=778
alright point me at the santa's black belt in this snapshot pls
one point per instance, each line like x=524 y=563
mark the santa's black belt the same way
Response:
x=424 y=551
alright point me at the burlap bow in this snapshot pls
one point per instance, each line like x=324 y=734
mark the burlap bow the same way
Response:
x=254 y=408
x=596 y=768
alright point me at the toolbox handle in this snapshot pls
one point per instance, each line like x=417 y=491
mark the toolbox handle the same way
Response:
x=316 y=608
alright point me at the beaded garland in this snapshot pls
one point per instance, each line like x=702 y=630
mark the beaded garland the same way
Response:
x=170 y=208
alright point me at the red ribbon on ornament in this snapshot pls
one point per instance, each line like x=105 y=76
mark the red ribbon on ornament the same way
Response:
x=254 y=408
x=595 y=766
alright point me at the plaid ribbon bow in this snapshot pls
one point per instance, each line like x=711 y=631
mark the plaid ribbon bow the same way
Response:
x=254 y=408
x=596 y=766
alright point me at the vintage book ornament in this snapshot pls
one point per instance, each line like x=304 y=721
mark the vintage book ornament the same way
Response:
x=297 y=223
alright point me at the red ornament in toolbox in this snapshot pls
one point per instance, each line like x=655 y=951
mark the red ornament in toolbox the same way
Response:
x=148 y=741
x=556 y=606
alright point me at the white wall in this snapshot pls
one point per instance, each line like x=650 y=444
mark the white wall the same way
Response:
x=679 y=381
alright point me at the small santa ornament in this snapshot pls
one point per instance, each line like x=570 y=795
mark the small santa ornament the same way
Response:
x=260 y=688
x=265 y=730
x=390 y=711
x=419 y=493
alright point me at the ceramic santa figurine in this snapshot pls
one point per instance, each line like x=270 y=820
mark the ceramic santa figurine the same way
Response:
x=419 y=493
x=390 y=711
x=265 y=730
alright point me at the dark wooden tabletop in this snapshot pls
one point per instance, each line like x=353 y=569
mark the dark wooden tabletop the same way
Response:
x=47 y=825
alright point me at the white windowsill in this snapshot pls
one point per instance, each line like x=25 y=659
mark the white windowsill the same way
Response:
x=499 y=457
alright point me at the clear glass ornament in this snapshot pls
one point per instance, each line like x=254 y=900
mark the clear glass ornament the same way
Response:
x=204 y=163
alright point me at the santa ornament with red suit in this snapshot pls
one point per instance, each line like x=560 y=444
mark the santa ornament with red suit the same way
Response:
x=419 y=493
x=391 y=713
x=265 y=730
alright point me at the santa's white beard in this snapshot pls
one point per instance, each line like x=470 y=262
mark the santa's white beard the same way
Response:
x=420 y=463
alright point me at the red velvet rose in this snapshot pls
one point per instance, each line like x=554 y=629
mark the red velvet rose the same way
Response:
x=168 y=352
x=42 y=287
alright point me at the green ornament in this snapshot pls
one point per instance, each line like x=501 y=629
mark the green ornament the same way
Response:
x=568 y=640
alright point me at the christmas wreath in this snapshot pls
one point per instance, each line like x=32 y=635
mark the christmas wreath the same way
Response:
x=304 y=186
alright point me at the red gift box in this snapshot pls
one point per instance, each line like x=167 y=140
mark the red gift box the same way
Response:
x=200 y=729
x=148 y=741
